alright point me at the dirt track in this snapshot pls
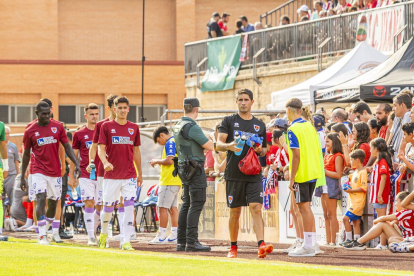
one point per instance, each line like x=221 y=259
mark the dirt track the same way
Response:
x=383 y=259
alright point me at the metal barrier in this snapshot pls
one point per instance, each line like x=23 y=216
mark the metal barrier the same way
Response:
x=295 y=41
x=289 y=8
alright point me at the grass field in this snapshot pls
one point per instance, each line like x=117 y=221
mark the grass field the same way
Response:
x=23 y=257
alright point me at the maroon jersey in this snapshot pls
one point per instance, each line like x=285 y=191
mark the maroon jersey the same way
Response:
x=82 y=141
x=120 y=141
x=44 y=143
x=98 y=164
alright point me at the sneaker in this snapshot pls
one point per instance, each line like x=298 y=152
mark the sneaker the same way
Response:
x=172 y=238
x=117 y=237
x=332 y=244
x=127 y=246
x=158 y=239
x=403 y=247
x=43 y=240
x=30 y=228
x=4 y=238
x=56 y=238
x=264 y=250
x=92 y=241
x=381 y=247
x=233 y=252
x=292 y=247
x=63 y=234
x=303 y=252
x=355 y=245
x=102 y=240
x=345 y=242
x=317 y=249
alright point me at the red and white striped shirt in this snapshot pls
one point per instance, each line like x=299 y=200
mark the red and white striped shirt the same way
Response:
x=282 y=159
x=380 y=168
x=406 y=222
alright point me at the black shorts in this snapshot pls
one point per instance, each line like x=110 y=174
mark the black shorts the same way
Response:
x=304 y=191
x=243 y=193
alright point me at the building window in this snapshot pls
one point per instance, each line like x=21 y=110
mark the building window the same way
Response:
x=151 y=113
x=73 y=114
x=17 y=114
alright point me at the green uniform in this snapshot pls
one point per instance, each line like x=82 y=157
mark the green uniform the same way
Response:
x=2 y=138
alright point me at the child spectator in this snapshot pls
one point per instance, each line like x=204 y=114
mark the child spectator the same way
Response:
x=380 y=182
x=343 y=136
x=357 y=196
x=319 y=123
x=384 y=226
x=360 y=135
x=373 y=129
x=334 y=163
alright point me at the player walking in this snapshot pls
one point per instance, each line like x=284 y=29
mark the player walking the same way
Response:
x=118 y=149
x=91 y=192
x=44 y=138
x=4 y=168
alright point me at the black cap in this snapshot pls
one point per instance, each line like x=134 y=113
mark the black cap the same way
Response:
x=216 y=14
x=194 y=102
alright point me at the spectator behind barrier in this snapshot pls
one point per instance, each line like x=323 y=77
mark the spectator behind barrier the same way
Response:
x=213 y=29
x=284 y=20
x=239 y=26
x=223 y=23
x=247 y=27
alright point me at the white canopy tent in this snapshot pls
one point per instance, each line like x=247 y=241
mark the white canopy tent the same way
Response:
x=358 y=61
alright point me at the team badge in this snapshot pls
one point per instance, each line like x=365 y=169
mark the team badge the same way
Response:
x=131 y=131
x=86 y=136
x=37 y=134
x=256 y=128
x=230 y=199
x=54 y=129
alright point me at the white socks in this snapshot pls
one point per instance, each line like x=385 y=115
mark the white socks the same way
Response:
x=121 y=218
x=348 y=235
x=89 y=221
x=128 y=219
x=106 y=216
x=96 y=220
x=308 y=239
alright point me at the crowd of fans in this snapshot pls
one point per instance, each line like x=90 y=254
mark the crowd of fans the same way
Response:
x=217 y=26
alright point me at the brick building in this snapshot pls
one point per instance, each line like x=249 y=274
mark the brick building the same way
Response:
x=80 y=51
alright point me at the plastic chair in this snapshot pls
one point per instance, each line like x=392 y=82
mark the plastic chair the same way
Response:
x=149 y=203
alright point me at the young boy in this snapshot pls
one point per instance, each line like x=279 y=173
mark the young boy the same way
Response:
x=357 y=195
x=398 y=235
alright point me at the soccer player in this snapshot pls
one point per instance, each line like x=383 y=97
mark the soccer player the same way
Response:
x=241 y=189
x=169 y=187
x=99 y=170
x=305 y=152
x=91 y=192
x=4 y=168
x=118 y=149
x=44 y=138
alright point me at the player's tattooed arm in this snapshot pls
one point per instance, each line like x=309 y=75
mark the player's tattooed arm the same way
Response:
x=137 y=160
x=25 y=163
x=71 y=155
x=102 y=155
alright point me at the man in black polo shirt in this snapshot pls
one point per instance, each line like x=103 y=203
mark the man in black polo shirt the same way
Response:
x=213 y=28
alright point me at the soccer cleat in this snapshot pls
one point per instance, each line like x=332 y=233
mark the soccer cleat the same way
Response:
x=43 y=240
x=355 y=245
x=345 y=242
x=381 y=247
x=158 y=240
x=233 y=252
x=292 y=247
x=56 y=238
x=92 y=241
x=303 y=252
x=172 y=238
x=264 y=249
x=102 y=240
x=4 y=238
x=127 y=246
x=317 y=249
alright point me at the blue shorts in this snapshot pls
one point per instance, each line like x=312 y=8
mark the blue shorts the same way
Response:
x=379 y=206
x=351 y=216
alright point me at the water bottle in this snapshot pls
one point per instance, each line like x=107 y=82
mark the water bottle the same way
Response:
x=71 y=229
x=74 y=194
x=240 y=143
x=157 y=168
x=92 y=175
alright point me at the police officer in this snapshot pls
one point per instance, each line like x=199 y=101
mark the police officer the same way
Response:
x=190 y=144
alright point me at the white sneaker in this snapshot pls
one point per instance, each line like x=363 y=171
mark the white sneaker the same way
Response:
x=302 y=252
x=317 y=249
x=56 y=238
x=292 y=247
x=117 y=237
x=92 y=241
x=158 y=239
x=43 y=240
x=381 y=247
x=30 y=228
x=172 y=238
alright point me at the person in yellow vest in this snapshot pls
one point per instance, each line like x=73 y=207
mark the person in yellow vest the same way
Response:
x=305 y=155
x=169 y=187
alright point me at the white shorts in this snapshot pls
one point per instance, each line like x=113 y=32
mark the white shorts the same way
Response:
x=168 y=196
x=52 y=186
x=32 y=195
x=113 y=189
x=91 y=190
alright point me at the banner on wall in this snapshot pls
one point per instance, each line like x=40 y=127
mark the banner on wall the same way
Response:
x=378 y=27
x=222 y=65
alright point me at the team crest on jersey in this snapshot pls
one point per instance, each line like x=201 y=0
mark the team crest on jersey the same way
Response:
x=131 y=131
x=37 y=134
x=230 y=199
x=54 y=129
x=86 y=137
x=236 y=124
x=256 y=128
x=88 y=144
x=113 y=131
